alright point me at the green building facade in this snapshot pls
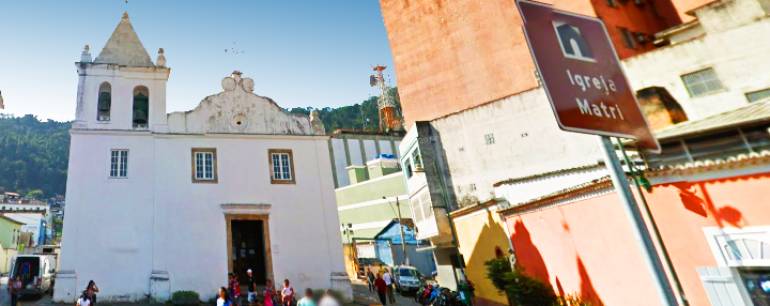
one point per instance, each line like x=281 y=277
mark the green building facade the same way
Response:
x=362 y=210
x=9 y=232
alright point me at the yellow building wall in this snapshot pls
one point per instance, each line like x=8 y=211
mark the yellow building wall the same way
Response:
x=350 y=264
x=5 y=259
x=478 y=234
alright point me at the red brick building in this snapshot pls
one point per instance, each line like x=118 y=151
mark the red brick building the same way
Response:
x=454 y=55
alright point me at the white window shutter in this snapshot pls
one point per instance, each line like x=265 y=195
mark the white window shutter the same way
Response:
x=721 y=288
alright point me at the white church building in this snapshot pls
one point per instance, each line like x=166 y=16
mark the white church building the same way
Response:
x=158 y=203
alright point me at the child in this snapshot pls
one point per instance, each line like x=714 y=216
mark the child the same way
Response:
x=269 y=293
x=234 y=288
x=287 y=294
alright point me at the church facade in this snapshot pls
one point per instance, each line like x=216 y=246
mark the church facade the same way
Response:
x=158 y=203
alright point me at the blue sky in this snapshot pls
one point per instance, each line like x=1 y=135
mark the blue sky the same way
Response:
x=300 y=53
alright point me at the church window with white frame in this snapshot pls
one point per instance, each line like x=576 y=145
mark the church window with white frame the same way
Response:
x=281 y=166
x=118 y=163
x=204 y=165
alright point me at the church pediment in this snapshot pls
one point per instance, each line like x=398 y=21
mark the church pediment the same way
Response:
x=237 y=110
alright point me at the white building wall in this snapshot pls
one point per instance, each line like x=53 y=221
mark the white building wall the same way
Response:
x=157 y=219
x=527 y=141
x=340 y=161
x=358 y=157
x=109 y=221
x=354 y=149
x=370 y=149
x=386 y=148
x=735 y=46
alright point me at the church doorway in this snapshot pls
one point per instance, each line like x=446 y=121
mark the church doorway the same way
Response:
x=249 y=247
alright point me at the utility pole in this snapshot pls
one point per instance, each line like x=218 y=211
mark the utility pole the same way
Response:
x=404 y=260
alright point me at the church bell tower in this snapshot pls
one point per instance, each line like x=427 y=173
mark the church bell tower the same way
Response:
x=122 y=89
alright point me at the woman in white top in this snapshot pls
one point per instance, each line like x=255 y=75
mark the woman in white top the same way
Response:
x=84 y=300
x=224 y=298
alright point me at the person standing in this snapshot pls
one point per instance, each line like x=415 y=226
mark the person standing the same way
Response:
x=233 y=288
x=307 y=300
x=328 y=299
x=287 y=293
x=370 y=277
x=382 y=289
x=269 y=293
x=251 y=287
x=14 y=289
x=223 y=298
x=84 y=300
x=388 y=278
x=92 y=289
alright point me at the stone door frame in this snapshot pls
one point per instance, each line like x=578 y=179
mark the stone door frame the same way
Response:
x=229 y=218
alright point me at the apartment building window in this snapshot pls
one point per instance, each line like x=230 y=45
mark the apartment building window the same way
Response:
x=204 y=165
x=408 y=168
x=119 y=163
x=489 y=139
x=628 y=38
x=702 y=82
x=758 y=95
x=281 y=166
x=417 y=159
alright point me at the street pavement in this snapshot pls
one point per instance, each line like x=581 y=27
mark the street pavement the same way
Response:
x=5 y=299
x=362 y=296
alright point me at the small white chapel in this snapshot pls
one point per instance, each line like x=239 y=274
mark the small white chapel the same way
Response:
x=162 y=202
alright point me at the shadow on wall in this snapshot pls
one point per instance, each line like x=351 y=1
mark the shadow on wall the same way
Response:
x=527 y=254
x=587 y=291
x=531 y=260
x=490 y=242
x=695 y=197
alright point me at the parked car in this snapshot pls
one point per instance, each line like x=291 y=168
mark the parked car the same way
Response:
x=407 y=279
x=36 y=271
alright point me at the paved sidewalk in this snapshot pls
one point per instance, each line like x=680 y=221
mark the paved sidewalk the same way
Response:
x=362 y=296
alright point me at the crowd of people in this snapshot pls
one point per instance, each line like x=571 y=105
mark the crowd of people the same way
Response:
x=269 y=296
x=382 y=283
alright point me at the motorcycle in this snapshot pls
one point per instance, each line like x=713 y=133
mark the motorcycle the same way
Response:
x=447 y=298
x=425 y=295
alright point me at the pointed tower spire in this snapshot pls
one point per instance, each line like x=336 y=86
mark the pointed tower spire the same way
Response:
x=124 y=47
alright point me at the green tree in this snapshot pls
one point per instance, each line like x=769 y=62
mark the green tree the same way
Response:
x=360 y=116
x=36 y=194
x=33 y=155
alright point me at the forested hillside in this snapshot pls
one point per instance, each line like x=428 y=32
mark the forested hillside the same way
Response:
x=362 y=116
x=34 y=153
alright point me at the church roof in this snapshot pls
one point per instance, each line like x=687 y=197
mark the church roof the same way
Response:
x=124 y=47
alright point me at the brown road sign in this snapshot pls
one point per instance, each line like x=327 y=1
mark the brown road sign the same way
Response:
x=582 y=76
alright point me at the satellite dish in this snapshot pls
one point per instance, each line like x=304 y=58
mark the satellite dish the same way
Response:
x=372 y=80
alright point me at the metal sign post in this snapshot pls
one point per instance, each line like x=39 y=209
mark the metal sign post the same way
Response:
x=589 y=93
x=641 y=233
